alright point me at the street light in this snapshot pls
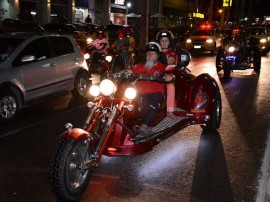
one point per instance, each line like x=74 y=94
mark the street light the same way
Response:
x=128 y=6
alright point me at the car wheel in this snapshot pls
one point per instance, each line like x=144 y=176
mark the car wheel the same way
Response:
x=9 y=106
x=81 y=85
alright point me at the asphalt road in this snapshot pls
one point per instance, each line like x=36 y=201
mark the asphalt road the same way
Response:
x=226 y=165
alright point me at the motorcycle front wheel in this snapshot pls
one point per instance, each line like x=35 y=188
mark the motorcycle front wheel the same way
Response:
x=68 y=181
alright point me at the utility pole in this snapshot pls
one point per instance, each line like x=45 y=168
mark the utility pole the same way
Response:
x=144 y=25
x=186 y=23
x=210 y=16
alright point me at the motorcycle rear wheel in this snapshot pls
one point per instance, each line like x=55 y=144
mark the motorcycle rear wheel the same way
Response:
x=226 y=71
x=216 y=115
x=67 y=180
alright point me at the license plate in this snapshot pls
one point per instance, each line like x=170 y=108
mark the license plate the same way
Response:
x=197 y=47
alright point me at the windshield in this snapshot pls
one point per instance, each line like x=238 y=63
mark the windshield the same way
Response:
x=255 y=31
x=203 y=32
x=7 y=46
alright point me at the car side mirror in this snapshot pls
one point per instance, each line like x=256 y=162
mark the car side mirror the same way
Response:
x=28 y=58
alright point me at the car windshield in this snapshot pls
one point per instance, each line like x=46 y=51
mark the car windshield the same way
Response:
x=203 y=32
x=7 y=46
x=255 y=31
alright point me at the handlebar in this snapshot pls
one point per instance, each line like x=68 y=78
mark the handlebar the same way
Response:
x=128 y=75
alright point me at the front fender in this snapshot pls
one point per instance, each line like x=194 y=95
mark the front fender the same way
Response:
x=76 y=134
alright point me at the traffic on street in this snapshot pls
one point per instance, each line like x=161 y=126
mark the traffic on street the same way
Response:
x=135 y=101
x=228 y=164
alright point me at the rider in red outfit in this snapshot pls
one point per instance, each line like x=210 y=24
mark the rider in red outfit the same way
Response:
x=152 y=92
x=166 y=40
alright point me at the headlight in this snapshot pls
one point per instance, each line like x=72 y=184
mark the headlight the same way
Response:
x=89 y=40
x=108 y=58
x=209 y=41
x=107 y=87
x=189 y=41
x=231 y=49
x=130 y=93
x=94 y=90
x=86 y=56
x=263 y=40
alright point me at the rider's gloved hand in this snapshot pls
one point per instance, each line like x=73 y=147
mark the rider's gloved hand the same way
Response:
x=169 y=77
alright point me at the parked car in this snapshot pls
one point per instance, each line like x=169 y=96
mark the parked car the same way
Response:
x=13 y=25
x=68 y=29
x=34 y=67
x=205 y=38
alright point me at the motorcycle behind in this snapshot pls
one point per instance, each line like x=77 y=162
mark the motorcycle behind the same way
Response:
x=97 y=63
x=109 y=126
x=238 y=56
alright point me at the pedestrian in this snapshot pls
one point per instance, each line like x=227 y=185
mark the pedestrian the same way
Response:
x=88 y=19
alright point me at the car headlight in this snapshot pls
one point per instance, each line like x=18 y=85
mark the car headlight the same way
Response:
x=89 y=40
x=130 y=93
x=263 y=40
x=189 y=41
x=94 y=90
x=209 y=41
x=107 y=87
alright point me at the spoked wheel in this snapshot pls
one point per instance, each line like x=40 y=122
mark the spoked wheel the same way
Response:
x=216 y=114
x=9 y=106
x=81 y=85
x=67 y=178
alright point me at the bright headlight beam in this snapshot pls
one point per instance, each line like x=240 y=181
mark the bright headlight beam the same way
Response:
x=130 y=93
x=94 y=90
x=107 y=87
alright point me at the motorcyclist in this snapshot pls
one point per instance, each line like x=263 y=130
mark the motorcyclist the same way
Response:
x=240 y=41
x=166 y=40
x=100 y=43
x=100 y=46
x=132 y=46
x=152 y=92
x=121 y=44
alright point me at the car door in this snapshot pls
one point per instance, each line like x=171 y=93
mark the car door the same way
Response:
x=67 y=59
x=39 y=72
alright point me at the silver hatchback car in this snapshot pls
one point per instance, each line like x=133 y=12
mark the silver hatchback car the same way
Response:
x=37 y=66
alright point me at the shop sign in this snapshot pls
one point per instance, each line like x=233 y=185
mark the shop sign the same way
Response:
x=119 y=2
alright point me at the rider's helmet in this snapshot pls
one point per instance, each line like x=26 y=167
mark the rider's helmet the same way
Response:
x=121 y=34
x=101 y=34
x=129 y=31
x=153 y=46
x=169 y=35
